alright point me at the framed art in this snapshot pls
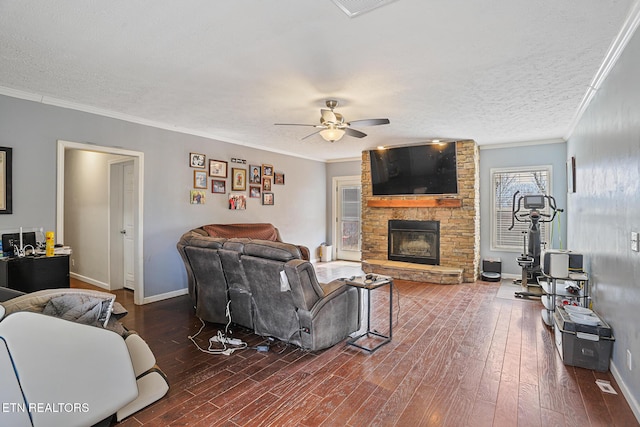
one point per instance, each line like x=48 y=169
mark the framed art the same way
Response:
x=266 y=183
x=218 y=186
x=254 y=174
x=217 y=168
x=6 y=187
x=278 y=178
x=571 y=175
x=267 y=199
x=197 y=160
x=199 y=179
x=238 y=179
x=267 y=170
x=237 y=201
x=197 y=197
x=254 y=191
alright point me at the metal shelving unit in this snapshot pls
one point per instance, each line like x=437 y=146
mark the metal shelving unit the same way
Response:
x=556 y=287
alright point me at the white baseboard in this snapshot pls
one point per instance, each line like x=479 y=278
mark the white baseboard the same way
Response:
x=146 y=300
x=631 y=399
x=90 y=281
x=164 y=296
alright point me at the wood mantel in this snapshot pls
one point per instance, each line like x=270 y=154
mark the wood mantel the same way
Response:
x=415 y=203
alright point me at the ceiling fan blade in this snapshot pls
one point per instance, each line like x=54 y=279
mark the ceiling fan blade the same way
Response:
x=354 y=132
x=294 y=124
x=370 y=122
x=328 y=116
x=310 y=135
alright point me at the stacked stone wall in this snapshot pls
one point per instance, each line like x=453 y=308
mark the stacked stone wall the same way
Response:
x=459 y=226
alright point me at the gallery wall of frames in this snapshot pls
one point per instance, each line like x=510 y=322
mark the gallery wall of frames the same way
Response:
x=236 y=179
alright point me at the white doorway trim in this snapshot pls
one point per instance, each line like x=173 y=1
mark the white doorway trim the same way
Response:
x=138 y=161
x=336 y=209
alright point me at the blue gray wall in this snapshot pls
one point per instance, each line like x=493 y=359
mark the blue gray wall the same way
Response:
x=553 y=154
x=32 y=129
x=604 y=209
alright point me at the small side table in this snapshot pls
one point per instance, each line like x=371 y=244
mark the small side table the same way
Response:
x=369 y=283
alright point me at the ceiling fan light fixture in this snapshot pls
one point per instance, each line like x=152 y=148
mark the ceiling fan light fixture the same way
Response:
x=332 y=134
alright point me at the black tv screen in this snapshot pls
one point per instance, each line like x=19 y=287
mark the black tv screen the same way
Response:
x=418 y=169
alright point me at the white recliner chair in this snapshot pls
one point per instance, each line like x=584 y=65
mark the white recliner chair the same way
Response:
x=59 y=373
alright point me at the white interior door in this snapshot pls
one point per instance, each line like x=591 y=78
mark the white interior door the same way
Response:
x=348 y=208
x=128 y=225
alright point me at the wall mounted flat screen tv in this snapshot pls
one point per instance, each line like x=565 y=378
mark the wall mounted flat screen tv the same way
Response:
x=417 y=169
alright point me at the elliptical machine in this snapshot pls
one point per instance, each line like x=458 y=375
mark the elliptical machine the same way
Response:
x=529 y=260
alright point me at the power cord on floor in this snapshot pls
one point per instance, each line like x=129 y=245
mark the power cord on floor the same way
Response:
x=220 y=338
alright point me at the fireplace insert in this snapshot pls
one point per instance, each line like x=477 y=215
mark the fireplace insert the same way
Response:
x=414 y=241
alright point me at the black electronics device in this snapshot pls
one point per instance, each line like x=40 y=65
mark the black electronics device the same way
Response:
x=491 y=270
x=416 y=169
x=9 y=240
x=575 y=263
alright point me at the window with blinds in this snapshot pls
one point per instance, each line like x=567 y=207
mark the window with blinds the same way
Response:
x=529 y=181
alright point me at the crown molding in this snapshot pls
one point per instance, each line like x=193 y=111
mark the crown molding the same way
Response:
x=56 y=102
x=613 y=54
x=521 y=144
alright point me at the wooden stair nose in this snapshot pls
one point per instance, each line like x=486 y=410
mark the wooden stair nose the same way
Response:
x=414 y=272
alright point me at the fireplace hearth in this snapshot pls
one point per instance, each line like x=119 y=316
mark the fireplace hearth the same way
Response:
x=414 y=241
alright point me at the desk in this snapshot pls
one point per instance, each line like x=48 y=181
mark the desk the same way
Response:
x=34 y=273
x=362 y=283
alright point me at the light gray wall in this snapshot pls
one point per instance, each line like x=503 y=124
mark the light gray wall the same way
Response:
x=604 y=209
x=532 y=155
x=32 y=129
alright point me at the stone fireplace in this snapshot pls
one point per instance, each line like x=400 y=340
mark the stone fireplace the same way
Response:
x=414 y=241
x=457 y=217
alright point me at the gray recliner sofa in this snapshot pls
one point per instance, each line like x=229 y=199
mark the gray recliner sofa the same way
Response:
x=269 y=288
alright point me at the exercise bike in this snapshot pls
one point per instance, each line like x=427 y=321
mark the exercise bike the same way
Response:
x=529 y=260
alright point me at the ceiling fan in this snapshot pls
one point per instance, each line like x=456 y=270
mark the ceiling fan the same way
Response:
x=333 y=126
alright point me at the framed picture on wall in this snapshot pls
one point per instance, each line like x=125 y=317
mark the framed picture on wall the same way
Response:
x=218 y=186
x=197 y=197
x=197 y=160
x=199 y=179
x=254 y=174
x=218 y=168
x=254 y=191
x=278 y=178
x=267 y=170
x=571 y=175
x=266 y=183
x=237 y=201
x=267 y=199
x=238 y=179
x=6 y=199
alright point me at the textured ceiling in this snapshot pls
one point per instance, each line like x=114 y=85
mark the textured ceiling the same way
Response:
x=501 y=71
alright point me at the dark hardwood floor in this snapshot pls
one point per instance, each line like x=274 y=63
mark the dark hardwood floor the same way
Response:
x=459 y=357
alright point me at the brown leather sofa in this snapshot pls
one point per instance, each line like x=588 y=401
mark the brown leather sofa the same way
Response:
x=269 y=288
x=260 y=231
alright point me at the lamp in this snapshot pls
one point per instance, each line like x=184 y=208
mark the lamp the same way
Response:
x=332 y=134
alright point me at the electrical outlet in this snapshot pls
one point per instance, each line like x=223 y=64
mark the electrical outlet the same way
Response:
x=634 y=242
x=73 y=262
x=629 y=360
